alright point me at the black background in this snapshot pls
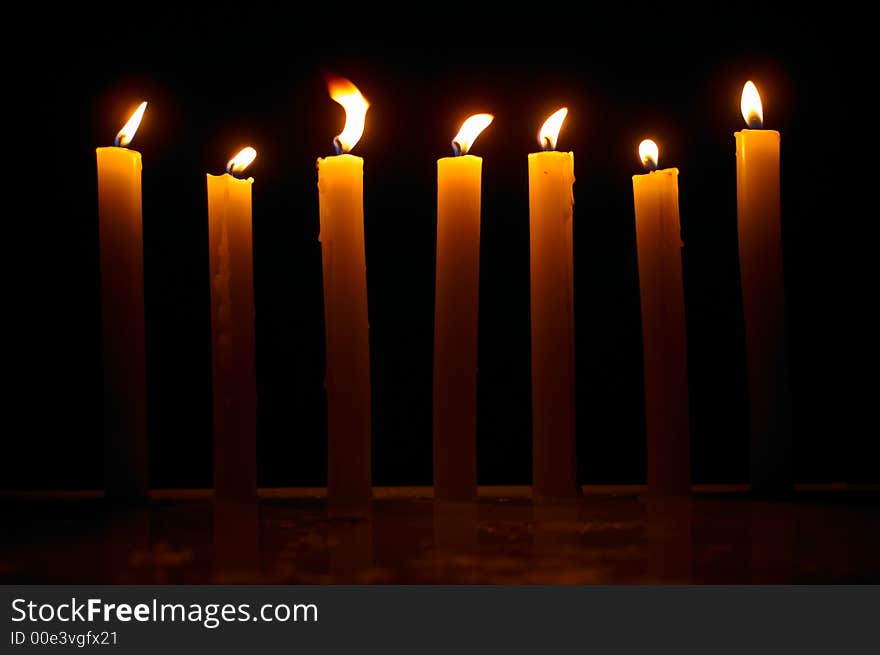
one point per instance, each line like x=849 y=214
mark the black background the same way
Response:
x=233 y=74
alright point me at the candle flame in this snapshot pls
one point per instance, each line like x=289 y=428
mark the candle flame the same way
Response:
x=355 y=105
x=549 y=132
x=126 y=134
x=649 y=153
x=241 y=161
x=751 y=107
x=469 y=131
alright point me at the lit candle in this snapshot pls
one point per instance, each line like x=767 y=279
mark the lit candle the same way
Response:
x=122 y=315
x=658 y=240
x=230 y=242
x=455 y=316
x=551 y=201
x=761 y=273
x=347 y=380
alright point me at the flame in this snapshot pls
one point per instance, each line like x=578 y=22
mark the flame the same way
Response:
x=549 y=132
x=469 y=131
x=649 y=153
x=126 y=134
x=355 y=105
x=242 y=160
x=751 y=107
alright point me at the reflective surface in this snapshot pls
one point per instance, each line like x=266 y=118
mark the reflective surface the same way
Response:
x=406 y=537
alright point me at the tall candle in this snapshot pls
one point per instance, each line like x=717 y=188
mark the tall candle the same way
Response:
x=456 y=309
x=347 y=380
x=551 y=202
x=658 y=240
x=120 y=215
x=761 y=273
x=234 y=378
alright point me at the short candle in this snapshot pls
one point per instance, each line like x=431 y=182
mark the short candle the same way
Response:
x=233 y=348
x=658 y=241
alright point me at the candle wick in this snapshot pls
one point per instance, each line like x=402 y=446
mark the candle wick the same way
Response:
x=337 y=145
x=456 y=149
x=116 y=141
x=545 y=144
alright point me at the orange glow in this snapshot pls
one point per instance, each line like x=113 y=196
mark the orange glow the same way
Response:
x=469 y=131
x=549 y=132
x=751 y=107
x=649 y=153
x=126 y=134
x=355 y=105
x=242 y=160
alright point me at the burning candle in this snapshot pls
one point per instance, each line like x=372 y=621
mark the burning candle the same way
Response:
x=455 y=316
x=551 y=201
x=234 y=379
x=761 y=272
x=347 y=380
x=120 y=215
x=658 y=240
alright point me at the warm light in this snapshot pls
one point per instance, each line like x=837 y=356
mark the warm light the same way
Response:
x=241 y=161
x=469 y=131
x=649 y=153
x=751 y=107
x=550 y=129
x=126 y=134
x=355 y=105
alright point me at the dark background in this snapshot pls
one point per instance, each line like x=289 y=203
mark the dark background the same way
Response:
x=233 y=74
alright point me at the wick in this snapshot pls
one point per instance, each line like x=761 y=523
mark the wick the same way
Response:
x=650 y=165
x=116 y=142
x=337 y=145
x=545 y=144
x=456 y=149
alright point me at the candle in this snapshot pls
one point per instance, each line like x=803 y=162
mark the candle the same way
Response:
x=658 y=240
x=456 y=308
x=551 y=176
x=234 y=377
x=347 y=381
x=761 y=273
x=120 y=215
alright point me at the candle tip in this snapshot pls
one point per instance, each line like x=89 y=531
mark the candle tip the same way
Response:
x=241 y=161
x=649 y=153
x=126 y=134
x=751 y=107
x=549 y=132
x=355 y=105
x=469 y=131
